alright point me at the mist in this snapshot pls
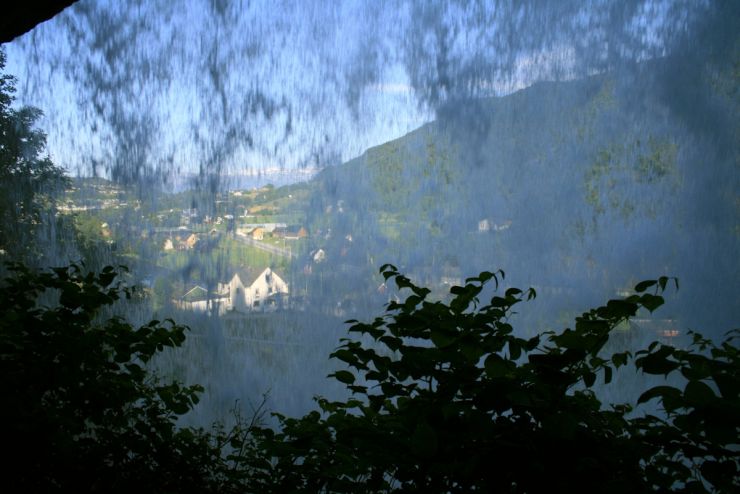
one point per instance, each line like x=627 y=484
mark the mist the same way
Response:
x=579 y=146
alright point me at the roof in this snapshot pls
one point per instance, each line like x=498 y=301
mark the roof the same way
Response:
x=246 y=274
x=296 y=230
x=195 y=293
x=249 y=275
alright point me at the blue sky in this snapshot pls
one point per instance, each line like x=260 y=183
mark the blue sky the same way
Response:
x=237 y=87
x=193 y=110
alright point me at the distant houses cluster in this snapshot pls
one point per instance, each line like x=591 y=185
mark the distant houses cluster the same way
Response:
x=488 y=225
x=255 y=232
x=246 y=291
x=258 y=231
x=95 y=197
x=181 y=243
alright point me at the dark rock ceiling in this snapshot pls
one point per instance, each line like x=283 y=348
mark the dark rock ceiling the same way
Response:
x=17 y=18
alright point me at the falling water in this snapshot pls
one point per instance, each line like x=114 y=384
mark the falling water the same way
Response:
x=580 y=146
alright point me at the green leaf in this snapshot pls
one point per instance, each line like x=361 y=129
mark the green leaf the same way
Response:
x=412 y=301
x=388 y=270
x=620 y=359
x=607 y=375
x=658 y=363
x=391 y=342
x=663 y=281
x=495 y=366
x=618 y=309
x=459 y=290
x=486 y=276
x=515 y=349
x=659 y=392
x=651 y=302
x=698 y=393
x=589 y=378
x=570 y=339
x=532 y=343
x=442 y=338
x=345 y=356
x=644 y=285
x=343 y=376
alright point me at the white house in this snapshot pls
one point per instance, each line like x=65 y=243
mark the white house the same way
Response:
x=319 y=256
x=247 y=292
x=486 y=225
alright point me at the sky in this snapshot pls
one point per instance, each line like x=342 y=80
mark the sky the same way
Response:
x=210 y=101
x=152 y=89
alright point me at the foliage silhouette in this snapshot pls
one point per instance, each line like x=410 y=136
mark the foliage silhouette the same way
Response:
x=81 y=412
x=28 y=179
x=446 y=399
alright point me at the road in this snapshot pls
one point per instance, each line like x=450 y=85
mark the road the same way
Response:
x=272 y=249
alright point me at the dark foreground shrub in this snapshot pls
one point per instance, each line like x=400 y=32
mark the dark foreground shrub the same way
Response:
x=445 y=398
x=449 y=399
x=80 y=412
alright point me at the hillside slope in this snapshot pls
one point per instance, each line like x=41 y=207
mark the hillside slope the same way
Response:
x=591 y=184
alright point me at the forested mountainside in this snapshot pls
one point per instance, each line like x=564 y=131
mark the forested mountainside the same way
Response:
x=595 y=182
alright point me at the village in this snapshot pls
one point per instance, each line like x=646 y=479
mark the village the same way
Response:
x=234 y=258
x=244 y=292
x=253 y=253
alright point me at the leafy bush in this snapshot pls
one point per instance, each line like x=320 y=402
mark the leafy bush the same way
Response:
x=80 y=410
x=453 y=401
x=446 y=399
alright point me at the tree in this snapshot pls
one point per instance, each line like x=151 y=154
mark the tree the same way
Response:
x=448 y=399
x=28 y=178
x=81 y=412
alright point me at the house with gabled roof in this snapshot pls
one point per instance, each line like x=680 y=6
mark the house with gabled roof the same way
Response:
x=250 y=290
x=198 y=299
x=293 y=232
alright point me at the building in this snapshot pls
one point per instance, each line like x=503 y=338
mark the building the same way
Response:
x=195 y=299
x=246 y=291
x=487 y=225
x=191 y=241
x=258 y=233
x=319 y=256
x=294 y=232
